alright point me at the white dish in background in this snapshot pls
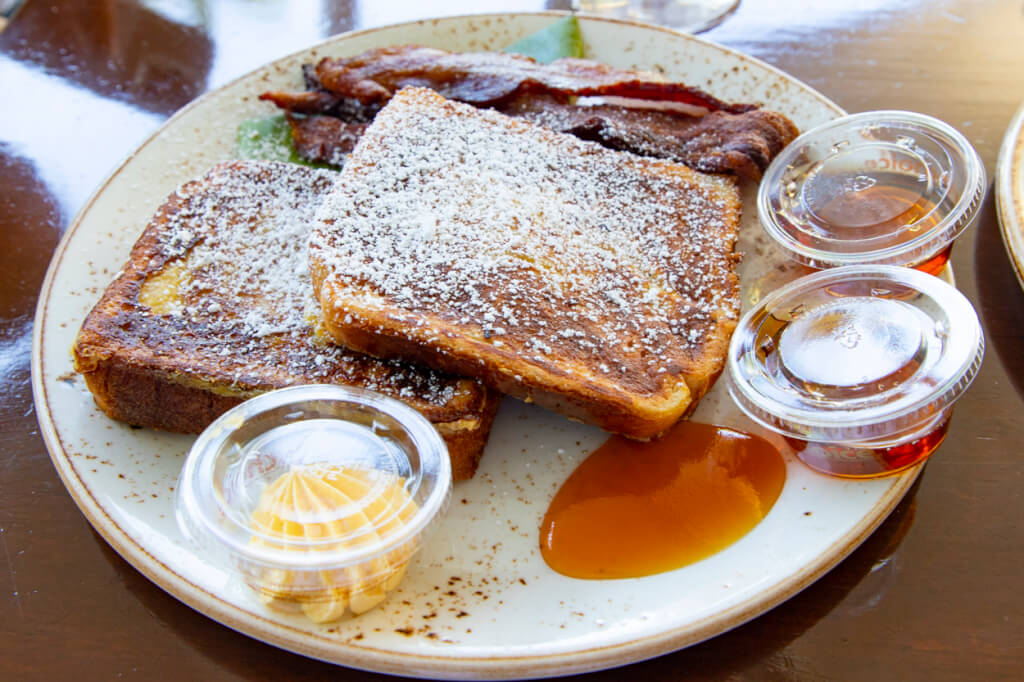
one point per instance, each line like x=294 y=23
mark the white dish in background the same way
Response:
x=478 y=601
x=1010 y=192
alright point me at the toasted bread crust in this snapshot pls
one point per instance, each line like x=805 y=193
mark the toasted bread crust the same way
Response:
x=554 y=388
x=178 y=358
x=609 y=296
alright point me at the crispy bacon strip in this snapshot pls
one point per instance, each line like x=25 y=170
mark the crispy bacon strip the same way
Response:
x=325 y=139
x=721 y=137
x=313 y=102
x=308 y=102
x=483 y=78
x=719 y=142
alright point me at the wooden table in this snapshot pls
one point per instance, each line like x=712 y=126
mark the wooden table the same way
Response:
x=931 y=595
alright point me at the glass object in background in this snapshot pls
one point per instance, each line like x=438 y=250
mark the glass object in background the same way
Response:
x=692 y=16
x=7 y=8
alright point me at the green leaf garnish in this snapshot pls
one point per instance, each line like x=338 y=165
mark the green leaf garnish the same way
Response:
x=560 y=39
x=269 y=139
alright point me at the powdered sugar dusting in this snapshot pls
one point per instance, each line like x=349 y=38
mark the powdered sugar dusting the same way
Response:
x=247 y=308
x=542 y=244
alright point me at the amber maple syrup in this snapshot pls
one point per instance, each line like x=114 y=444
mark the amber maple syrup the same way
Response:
x=879 y=187
x=848 y=348
x=935 y=264
x=850 y=461
x=633 y=509
x=892 y=209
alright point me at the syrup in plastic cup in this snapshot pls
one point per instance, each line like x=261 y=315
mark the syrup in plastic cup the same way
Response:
x=865 y=460
x=857 y=367
x=885 y=187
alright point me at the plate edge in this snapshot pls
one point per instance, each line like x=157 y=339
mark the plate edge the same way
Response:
x=179 y=587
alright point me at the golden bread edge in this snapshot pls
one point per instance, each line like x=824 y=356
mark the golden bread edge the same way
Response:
x=377 y=331
x=149 y=398
x=151 y=389
x=178 y=402
x=557 y=388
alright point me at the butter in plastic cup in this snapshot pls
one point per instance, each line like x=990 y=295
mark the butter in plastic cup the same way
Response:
x=315 y=496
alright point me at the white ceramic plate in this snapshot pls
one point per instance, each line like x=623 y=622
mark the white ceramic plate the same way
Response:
x=1010 y=192
x=479 y=601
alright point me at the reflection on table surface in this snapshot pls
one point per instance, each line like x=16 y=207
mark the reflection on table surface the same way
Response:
x=929 y=595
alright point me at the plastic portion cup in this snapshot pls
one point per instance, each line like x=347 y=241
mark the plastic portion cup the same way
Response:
x=885 y=187
x=315 y=496
x=858 y=367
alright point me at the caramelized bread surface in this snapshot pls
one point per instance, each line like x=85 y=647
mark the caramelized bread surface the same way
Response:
x=215 y=305
x=594 y=282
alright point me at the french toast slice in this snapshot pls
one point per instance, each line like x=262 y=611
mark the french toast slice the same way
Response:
x=597 y=283
x=215 y=305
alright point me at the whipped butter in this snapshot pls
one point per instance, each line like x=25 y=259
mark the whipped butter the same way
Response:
x=332 y=509
x=316 y=497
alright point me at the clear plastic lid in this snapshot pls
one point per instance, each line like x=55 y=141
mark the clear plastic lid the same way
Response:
x=889 y=187
x=867 y=353
x=316 y=495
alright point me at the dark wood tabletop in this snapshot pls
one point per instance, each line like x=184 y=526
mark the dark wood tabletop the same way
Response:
x=931 y=595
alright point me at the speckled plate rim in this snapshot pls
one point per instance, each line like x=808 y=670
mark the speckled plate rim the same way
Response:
x=458 y=665
x=1010 y=192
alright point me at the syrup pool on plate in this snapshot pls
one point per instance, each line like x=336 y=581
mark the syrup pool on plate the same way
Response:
x=885 y=187
x=633 y=509
x=857 y=367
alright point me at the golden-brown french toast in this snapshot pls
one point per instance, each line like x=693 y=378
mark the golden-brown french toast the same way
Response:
x=215 y=305
x=597 y=283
